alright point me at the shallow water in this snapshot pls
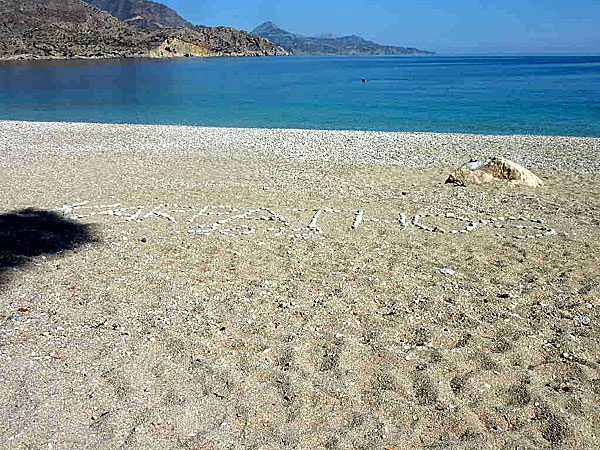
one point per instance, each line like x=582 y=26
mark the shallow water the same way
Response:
x=549 y=95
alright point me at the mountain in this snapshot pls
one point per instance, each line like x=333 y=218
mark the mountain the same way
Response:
x=143 y=13
x=45 y=29
x=298 y=44
x=64 y=28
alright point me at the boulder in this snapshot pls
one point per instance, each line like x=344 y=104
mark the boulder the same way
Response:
x=494 y=169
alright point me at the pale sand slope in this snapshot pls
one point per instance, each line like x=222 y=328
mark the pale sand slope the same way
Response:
x=150 y=337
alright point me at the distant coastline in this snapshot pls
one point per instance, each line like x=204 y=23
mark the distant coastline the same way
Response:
x=297 y=44
x=99 y=29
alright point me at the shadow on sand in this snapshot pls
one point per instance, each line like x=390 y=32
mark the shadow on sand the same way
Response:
x=33 y=232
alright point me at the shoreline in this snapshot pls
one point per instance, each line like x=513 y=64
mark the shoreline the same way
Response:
x=133 y=57
x=409 y=149
x=349 y=130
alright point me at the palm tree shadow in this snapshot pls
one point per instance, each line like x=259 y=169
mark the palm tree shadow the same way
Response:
x=28 y=233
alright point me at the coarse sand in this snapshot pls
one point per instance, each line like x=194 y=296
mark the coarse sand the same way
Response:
x=167 y=287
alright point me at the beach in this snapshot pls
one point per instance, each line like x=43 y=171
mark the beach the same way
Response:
x=273 y=288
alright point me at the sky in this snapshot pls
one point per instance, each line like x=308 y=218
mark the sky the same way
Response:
x=443 y=26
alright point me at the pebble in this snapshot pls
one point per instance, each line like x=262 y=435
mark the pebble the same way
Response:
x=447 y=271
x=577 y=155
x=585 y=320
x=313 y=229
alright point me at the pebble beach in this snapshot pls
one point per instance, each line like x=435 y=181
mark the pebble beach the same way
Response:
x=570 y=154
x=275 y=288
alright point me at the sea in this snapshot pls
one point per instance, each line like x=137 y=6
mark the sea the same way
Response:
x=491 y=94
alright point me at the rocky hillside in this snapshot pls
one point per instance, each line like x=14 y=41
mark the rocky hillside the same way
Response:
x=42 y=29
x=214 y=41
x=298 y=44
x=143 y=13
x=65 y=29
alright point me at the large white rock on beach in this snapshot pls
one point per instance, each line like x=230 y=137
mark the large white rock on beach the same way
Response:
x=494 y=169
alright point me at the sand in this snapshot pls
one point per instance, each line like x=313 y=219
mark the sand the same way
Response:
x=188 y=293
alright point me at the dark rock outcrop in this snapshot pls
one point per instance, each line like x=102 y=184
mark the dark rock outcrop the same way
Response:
x=45 y=29
x=298 y=44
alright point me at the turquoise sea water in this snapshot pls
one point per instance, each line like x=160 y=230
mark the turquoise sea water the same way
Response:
x=551 y=95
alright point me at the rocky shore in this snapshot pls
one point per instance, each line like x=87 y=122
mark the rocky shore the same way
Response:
x=177 y=287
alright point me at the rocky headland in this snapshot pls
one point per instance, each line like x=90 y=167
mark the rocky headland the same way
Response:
x=53 y=29
x=298 y=44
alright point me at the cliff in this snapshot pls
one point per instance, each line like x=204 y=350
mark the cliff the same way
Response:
x=217 y=41
x=298 y=44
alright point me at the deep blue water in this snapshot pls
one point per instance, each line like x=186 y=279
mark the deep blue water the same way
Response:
x=552 y=95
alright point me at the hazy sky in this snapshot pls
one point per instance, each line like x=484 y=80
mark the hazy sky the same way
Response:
x=445 y=26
